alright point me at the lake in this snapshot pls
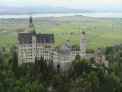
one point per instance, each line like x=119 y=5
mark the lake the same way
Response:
x=95 y=15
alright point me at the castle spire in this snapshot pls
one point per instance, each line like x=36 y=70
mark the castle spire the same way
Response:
x=31 y=26
x=30 y=20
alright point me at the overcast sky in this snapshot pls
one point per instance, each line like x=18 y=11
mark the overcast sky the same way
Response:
x=117 y=4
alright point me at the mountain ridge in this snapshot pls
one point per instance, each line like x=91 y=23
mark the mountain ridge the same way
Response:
x=40 y=9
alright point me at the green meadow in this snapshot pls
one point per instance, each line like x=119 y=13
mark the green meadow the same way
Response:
x=101 y=32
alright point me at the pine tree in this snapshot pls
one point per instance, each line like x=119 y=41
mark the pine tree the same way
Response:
x=15 y=68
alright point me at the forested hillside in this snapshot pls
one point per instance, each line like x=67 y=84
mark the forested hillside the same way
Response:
x=81 y=77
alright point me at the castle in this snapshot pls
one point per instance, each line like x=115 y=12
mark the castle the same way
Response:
x=32 y=45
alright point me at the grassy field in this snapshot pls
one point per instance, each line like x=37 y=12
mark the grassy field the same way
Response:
x=101 y=32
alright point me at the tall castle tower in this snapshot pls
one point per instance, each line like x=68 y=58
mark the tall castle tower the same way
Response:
x=83 y=42
x=31 y=28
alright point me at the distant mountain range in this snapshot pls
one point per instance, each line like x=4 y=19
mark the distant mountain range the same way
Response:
x=40 y=9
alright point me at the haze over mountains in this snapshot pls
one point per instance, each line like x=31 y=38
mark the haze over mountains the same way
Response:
x=39 y=9
x=48 y=9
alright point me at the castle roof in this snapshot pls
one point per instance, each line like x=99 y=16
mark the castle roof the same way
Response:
x=98 y=50
x=83 y=33
x=26 y=38
x=45 y=38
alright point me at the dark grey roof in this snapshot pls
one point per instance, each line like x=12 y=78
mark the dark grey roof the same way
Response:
x=98 y=50
x=26 y=38
x=83 y=33
x=30 y=19
x=45 y=38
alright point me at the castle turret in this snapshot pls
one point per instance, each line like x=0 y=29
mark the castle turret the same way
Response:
x=31 y=26
x=83 y=42
x=100 y=57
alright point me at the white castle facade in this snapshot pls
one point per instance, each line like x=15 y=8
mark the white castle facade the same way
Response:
x=32 y=45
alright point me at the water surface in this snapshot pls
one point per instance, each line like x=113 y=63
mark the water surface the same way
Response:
x=95 y=15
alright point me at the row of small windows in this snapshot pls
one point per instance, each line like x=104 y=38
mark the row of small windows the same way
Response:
x=37 y=55
x=65 y=59
x=75 y=52
x=36 y=45
x=88 y=55
x=35 y=49
x=38 y=52
x=83 y=39
x=37 y=58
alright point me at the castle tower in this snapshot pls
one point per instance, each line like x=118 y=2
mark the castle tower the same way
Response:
x=100 y=58
x=31 y=30
x=31 y=26
x=83 y=42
